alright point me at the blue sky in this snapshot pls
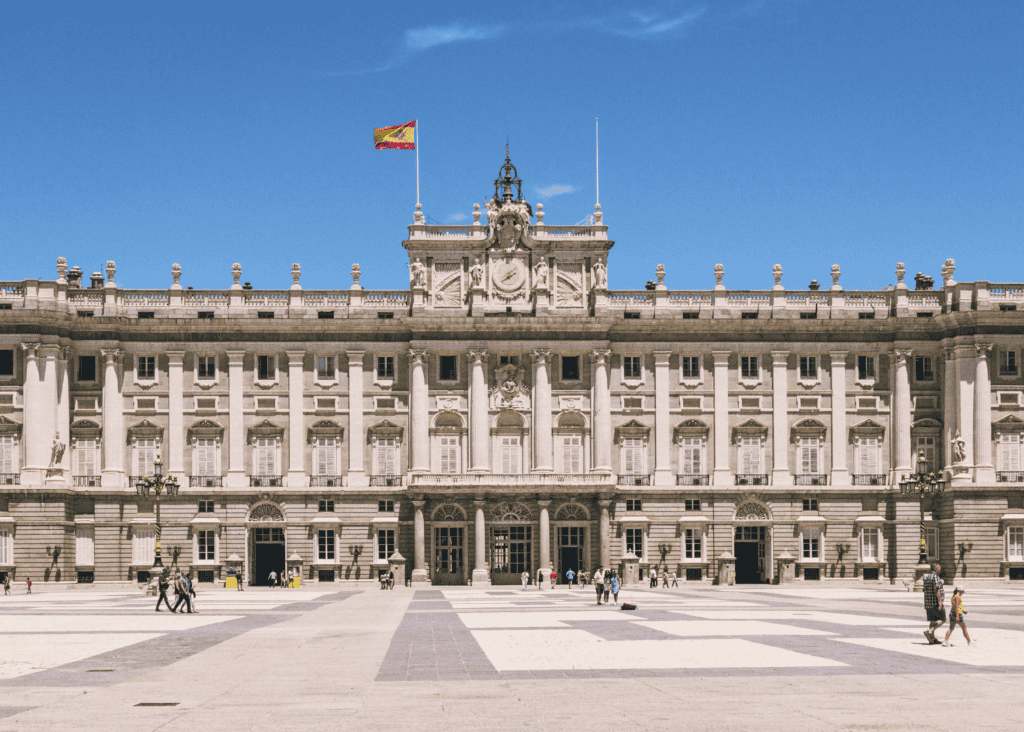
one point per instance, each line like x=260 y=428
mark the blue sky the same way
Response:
x=745 y=132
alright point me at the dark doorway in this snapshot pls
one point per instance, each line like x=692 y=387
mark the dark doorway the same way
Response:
x=568 y=558
x=449 y=555
x=746 y=563
x=266 y=558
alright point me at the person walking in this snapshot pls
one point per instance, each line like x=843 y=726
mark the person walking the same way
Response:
x=7 y=583
x=238 y=579
x=28 y=583
x=163 y=585
x=540 y=579
x=653 y=575
x=675 y=580
x=525 y=577
x=570 y=575
x=272 y=578
x=191 y=591
x=554 y=578
x=956 y=615
x=599 y=584
x=181 y=588
x=615 y=587
x=391 y=579
x=934 y=602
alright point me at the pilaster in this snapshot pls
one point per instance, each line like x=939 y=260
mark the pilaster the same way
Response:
x=236 y=477
x=478 y=412
x=780 y=420
x=113 y=420
x=543 y=454
x=840 y=473
x=662 y=430
x=356 y=436
x=296 y=426
x=175 y=414
x=722 y=475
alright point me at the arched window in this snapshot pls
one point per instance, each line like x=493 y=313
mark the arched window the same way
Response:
x=448 y=433
x=569 y=445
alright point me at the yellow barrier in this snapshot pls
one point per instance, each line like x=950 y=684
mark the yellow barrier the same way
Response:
x=231 y=583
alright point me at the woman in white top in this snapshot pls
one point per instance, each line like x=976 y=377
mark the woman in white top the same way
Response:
x=525 y=578
x=599 y=583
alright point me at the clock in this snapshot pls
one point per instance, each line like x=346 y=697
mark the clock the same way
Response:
x=508 y=275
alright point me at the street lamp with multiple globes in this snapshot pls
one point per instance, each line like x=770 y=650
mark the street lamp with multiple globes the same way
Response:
x=158 y=483
x=922 y=482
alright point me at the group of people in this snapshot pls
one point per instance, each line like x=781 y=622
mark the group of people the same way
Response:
x=606 y=583
x=665 y=579
x=184 y=590
x=282 y=580
x=387 y=580
x=935 y=607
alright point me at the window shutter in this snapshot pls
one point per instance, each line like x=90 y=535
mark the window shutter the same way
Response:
x=867 y=455
x=449 y=455
x=387 y=458
x=1009 y=452
x=691 y=455
x=5 y=546
x=809 y=456
x=7 y=447
x=510 y=455
x=571 y=454
x=750 y=455
x=145 y=449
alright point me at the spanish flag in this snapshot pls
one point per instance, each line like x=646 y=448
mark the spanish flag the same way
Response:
x=399 y=137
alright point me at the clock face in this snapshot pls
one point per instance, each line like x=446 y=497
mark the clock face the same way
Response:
x=508 y=275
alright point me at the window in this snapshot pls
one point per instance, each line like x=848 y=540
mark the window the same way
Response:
x=692 y=543
x=808 y=403
x=572 y=454
x=630 y=316
x=865 y=368
x=385 y=367
x=448 y=368
x=748 y=367
x=206 y=545
x=750 y=455
x=1007 y=363
x=809 y=368
x=866 y=459
x=692 y=504
x=810 y=504
x=85 y=546
x=264 y=456
x=1014 y=544
x=325 y=314
x=205 y=315
x=923 y=369
x=1008 y=459
x=265 y=314
x=508 y=360
x=385 y=544
x=387 y=456
x=145 y=455
x=931 y=540
x=87 y=454
x=266 y=404
x=206 y=368
x=692 y=455
x=266 y=368
x=812 y=542
x=631 y=367
x=87 y=368
x=381 y=315
x=143 y=546
x=145 y=368
x=450 y=454
x=6 y=362
x=8 y=454
x=206 y=507
x=635 y=541
x=570 y=368
x=325 y=455
x=325 y=545
x=925 y=445
x=386 y=506
x=634 y=504
x=809 y=456
x=632 y=455
x=869 y=544
x=6 y=547
x=1009 y=398
x=511 y=454
x=325 y=368
x=690 y=366
x=204 y=457
x=325 y=507
x=206 y=404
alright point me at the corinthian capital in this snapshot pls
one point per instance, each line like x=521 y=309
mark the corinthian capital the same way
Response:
x=984 y=349
x=479 y=355
x=418 y=355
x=601 y=355
x=541 y=355
x=903 y=355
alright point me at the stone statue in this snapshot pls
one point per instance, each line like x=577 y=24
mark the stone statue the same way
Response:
x=540 y=274
x=476 y=272
x=959 y=449
x=600 y=275
x=418 y=273
x=57 y=451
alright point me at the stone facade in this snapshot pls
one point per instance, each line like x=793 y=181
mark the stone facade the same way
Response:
x=509 y=413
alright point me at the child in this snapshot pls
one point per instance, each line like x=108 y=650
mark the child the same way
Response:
x=28 y=583
x=956 y=616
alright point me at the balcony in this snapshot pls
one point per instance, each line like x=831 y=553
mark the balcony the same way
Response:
x=634 y=479
x=206 y=481
x=10 y=479
x=810 y=479
x=751 y=479
x=81 y=481
x=134 y=480
x=869 y=479
x=326 y=481
x=265 y=481
x=1002 y=476
x=386 y=481
x=692 y=479
x=505 y=480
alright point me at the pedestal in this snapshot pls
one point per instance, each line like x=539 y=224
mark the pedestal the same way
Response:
x=630 y=569
x=419 y=577
x=396 y=563
x=726 y=569
x=787 y=568
x=920 y=571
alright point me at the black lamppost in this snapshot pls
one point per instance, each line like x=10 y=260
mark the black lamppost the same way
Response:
x=158 y=483
x=922 y=482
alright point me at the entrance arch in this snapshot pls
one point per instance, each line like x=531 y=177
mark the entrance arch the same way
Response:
x=511 y=544
x=265 y=544
x=449 y=536
x=572 y=540
x=752 y=542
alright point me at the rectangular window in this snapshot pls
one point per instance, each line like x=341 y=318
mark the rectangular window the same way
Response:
x=387 y=456
x=748 y=367
x=572 y=454
x=809 y=368
x=145 y=455
x=570 y=368
x=812 y=541
x=8 y=454
x=809 y=454
x=635 y=541
x=206 y=457
x=448 y=368
x=325 y=545
x=750 y=455
x=385 y=544
x=868 y=449
x=632 y=456
x=87 y=368
x=690 y=366
x=923 y=369
x=85 y=546
x=634 y=504
x=325 y=507
x=86 y=457
x=206 y=507
x=692 y=461
x=926 y=446
x=325 y=368
x=449 y=455
x=325 y=452
x=1007 y=363
x=692 y=504
x=264 y=457
x=1015 y=543
x=810 y=504
x=206 y=367
x=6 y=362
x=1009 y=452
x=865 y=368
x=508 y=360
x=146 y=368
x=931 y=540
x=631 y=367
x=511 y=452
x=385 y=367
x=869 y=543
x=266 y=368
x=205 y=540
x=6 y=548
x=143 y=546
x=386 y=506
x=692 y=543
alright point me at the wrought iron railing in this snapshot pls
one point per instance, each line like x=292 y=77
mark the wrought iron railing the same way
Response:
x=692 y=479
x=325 y=481
x=810 y=479
x=85 y=481
x=634 y=479
x=265 y=481
x=869 y=479
x=10 y=478
x=206 y=481
x=1009 y=476
x=388 y=481
x=751 y=479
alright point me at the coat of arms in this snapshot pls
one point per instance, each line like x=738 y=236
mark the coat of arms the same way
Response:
x=509 y=391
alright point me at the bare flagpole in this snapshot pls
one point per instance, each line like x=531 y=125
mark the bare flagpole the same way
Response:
x=597 y=164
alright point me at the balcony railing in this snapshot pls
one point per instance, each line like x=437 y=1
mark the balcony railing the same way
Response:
x=387 y=481
x=810 y=479
x=84 y=481
x=634 y=479
x=692 y=479
x=1010 y=476
x=751 y=479
x=134 y=480
x=325 y=481
x=514 y=479
x=265 y=481
x=206 y=481
x=869 y=479
x=10 y=478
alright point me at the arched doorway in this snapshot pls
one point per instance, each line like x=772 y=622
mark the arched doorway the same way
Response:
x=266 y=542
x=752 y=543
x=449 y=528
x=572 y=541
x=511 y=528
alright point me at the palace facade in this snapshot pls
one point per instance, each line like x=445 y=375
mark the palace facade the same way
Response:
x=508 y=414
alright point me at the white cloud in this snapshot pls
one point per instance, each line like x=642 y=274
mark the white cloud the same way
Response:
x=420 y=39
x=645 y=26
x=457 y=217
x=555 y=190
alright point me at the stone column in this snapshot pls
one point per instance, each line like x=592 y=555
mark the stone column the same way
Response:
x=543 y=454
x=296 y=436
x=48 y=404
x=602 y=414
x=662 y=429
x=64 y=411
x=419 y=407
x=605 y=531
x=780 y=420
x=419 y=566
x=236 y=422
x=840 y=472
x=113 y=420
x=478 y=409
x=176 y=415
x=949 y=414
x=545 y=543
x=965 y=377
x=901 y=417
x=723 y=475
x=480 y=574
x=984 y=470
x=356 y=436
x=34 y=467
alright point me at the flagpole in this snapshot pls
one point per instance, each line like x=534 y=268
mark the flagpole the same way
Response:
x=417 y=139
x=597 y=165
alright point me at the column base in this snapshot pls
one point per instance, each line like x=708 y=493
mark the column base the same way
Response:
x=112 y=479
x=33 y=476
x=839 y=477
x=55 y=476
x=984 y=474
x=723 y=477
x=419 y=577
x=546 y=582
x=357 y=479
x=961 y=475
x=236 y=479
x=296 y=479
x=920 y=570
x=481 y=578
x=782 y=477
x=664 y=477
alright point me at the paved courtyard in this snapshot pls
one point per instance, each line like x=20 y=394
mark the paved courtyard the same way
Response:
x=495 y=658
